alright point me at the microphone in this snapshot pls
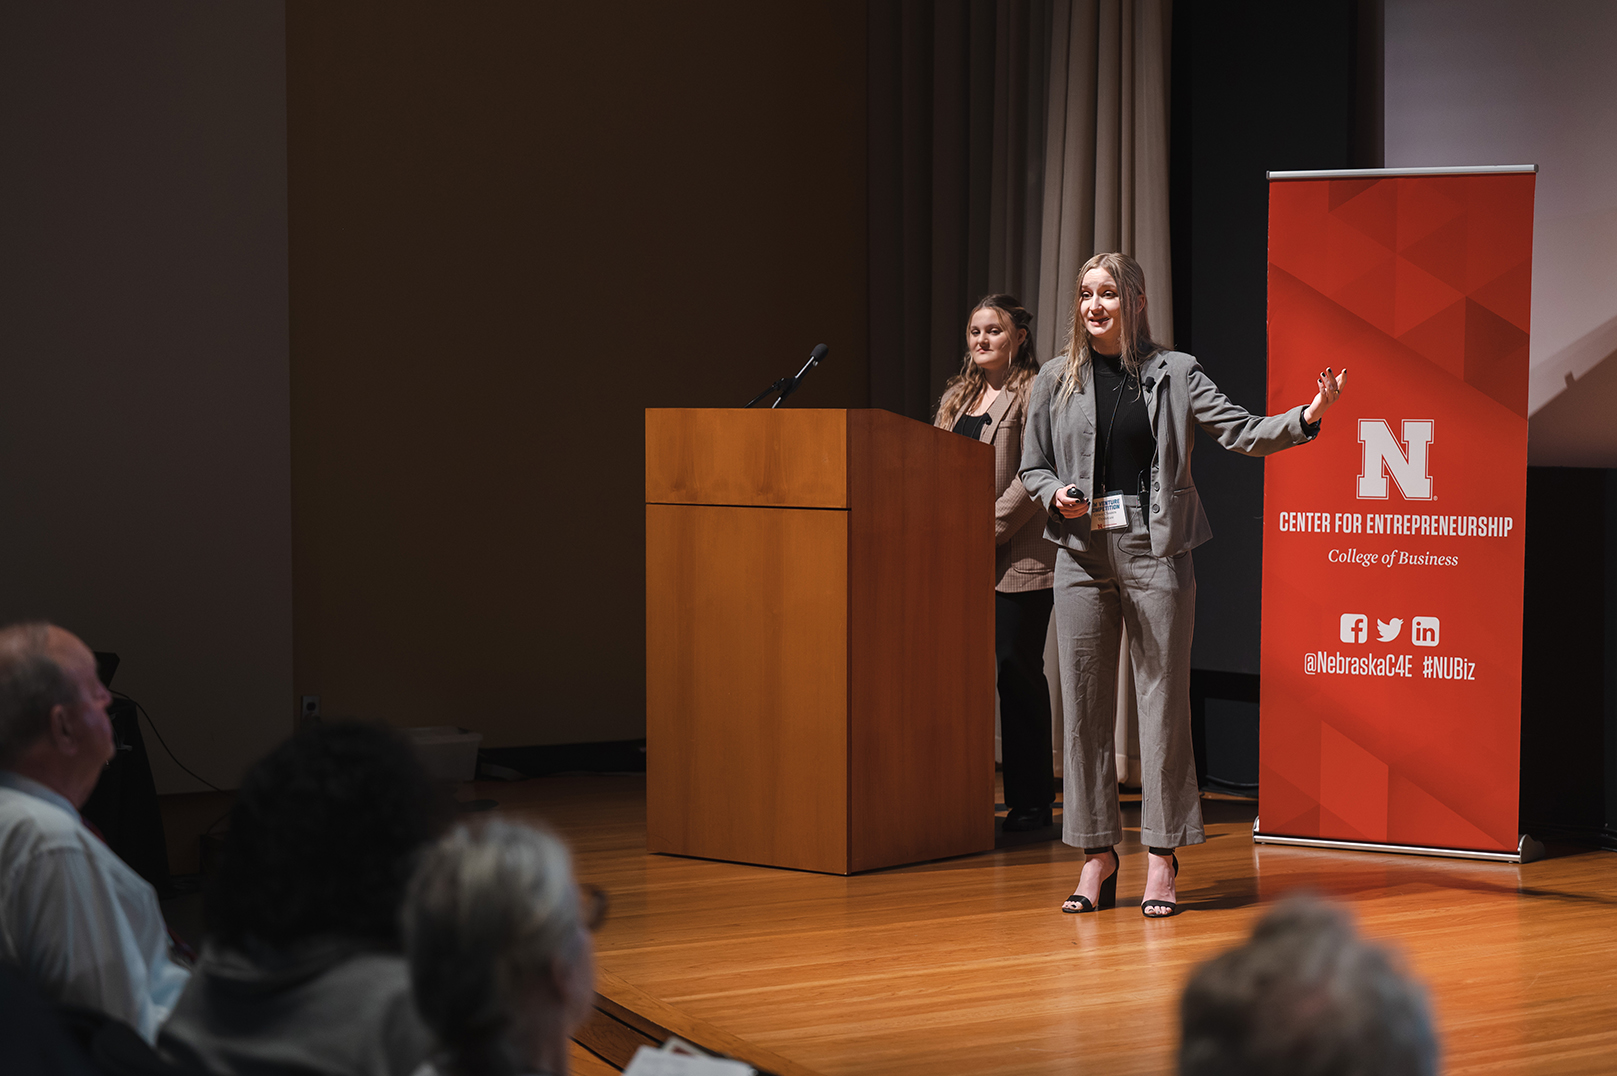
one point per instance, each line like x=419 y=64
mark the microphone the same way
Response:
x=1149 y=383
x=820 y=351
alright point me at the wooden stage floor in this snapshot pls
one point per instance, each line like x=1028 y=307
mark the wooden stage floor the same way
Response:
x=968 y=966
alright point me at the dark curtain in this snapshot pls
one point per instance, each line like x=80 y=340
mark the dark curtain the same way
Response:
x=957 y=94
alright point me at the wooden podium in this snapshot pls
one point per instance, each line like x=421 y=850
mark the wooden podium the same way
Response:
x=819 y=638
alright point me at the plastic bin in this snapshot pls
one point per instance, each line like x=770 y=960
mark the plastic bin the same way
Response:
x=448 y=752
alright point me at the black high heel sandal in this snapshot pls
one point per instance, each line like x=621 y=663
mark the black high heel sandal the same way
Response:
x=1173 y=908
x=1108 y=888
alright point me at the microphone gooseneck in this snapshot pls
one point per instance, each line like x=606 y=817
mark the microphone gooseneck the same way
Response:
x=820 y=351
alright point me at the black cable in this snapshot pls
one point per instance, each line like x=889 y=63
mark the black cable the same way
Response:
x=215 y=824
x=139 y=709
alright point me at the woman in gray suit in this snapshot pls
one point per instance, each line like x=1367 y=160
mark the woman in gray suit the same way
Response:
x=1111 y=424
x=987 y=400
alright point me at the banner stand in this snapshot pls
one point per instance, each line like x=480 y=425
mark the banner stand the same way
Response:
x=1393 y=546
x=1527 y=849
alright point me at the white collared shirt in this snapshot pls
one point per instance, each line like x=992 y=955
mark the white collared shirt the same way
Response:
x=84 y=927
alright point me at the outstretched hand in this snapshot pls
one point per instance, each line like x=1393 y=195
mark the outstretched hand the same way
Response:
x=1330 y=387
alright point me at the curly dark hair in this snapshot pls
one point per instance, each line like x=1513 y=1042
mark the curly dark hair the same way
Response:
x=323 y=837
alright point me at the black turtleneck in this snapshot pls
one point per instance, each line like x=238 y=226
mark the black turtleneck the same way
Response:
x=1123 y=442
x=971 y=425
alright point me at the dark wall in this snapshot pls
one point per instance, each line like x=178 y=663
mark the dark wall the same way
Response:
x=1569 y=656
x=513 y=228
x=1264 y=86
x=145 y=481
x=1609 y=835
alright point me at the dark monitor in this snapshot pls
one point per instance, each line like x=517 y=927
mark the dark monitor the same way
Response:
x=105 y=665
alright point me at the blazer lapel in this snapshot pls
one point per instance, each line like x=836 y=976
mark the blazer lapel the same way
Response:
x=996 y=415
x=1086 y=396
x=1154 y=373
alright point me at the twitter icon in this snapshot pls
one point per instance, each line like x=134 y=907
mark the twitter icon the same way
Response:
x=1387 y=630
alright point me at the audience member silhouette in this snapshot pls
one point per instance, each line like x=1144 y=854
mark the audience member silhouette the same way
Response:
x=302 y=969
x=500 y=951
x=84 y=928
x=1305 y=996
x=33 y=1041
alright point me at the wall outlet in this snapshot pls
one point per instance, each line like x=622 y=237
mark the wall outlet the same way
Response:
x=311 y=708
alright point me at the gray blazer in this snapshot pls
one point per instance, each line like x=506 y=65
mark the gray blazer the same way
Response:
x=1059 y=447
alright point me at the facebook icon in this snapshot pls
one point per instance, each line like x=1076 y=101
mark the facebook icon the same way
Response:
x=1355 y=627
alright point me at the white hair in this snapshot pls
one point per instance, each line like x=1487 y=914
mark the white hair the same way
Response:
x=490 y=910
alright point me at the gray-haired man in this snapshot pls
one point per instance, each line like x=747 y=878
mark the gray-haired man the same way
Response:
x=83 y=926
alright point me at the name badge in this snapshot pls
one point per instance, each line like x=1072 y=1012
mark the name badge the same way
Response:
x=1109 y=513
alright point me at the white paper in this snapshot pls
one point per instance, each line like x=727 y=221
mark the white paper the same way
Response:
x=650 y=1062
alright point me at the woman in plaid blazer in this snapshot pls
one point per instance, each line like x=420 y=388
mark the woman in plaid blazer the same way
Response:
x=987 y=400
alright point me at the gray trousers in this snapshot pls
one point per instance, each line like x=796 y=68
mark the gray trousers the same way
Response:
x=1116 y=582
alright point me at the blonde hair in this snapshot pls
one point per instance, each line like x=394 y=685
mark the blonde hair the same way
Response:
x=965 y=387
x=1137 y=343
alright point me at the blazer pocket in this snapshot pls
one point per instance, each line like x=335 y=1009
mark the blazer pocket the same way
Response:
x=1187 y=522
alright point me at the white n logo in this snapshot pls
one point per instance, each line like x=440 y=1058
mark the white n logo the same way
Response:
x=1383 y=454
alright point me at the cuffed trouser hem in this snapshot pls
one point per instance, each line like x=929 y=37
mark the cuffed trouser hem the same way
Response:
x=1091 y=840
x=1154 y=839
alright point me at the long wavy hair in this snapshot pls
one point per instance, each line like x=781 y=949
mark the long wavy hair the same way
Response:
x=965 y=387
x=1137 y=343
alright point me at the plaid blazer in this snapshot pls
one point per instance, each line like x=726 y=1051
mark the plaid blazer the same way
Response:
x=1024 y=559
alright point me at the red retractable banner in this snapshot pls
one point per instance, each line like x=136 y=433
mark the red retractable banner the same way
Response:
x=1392 y=545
